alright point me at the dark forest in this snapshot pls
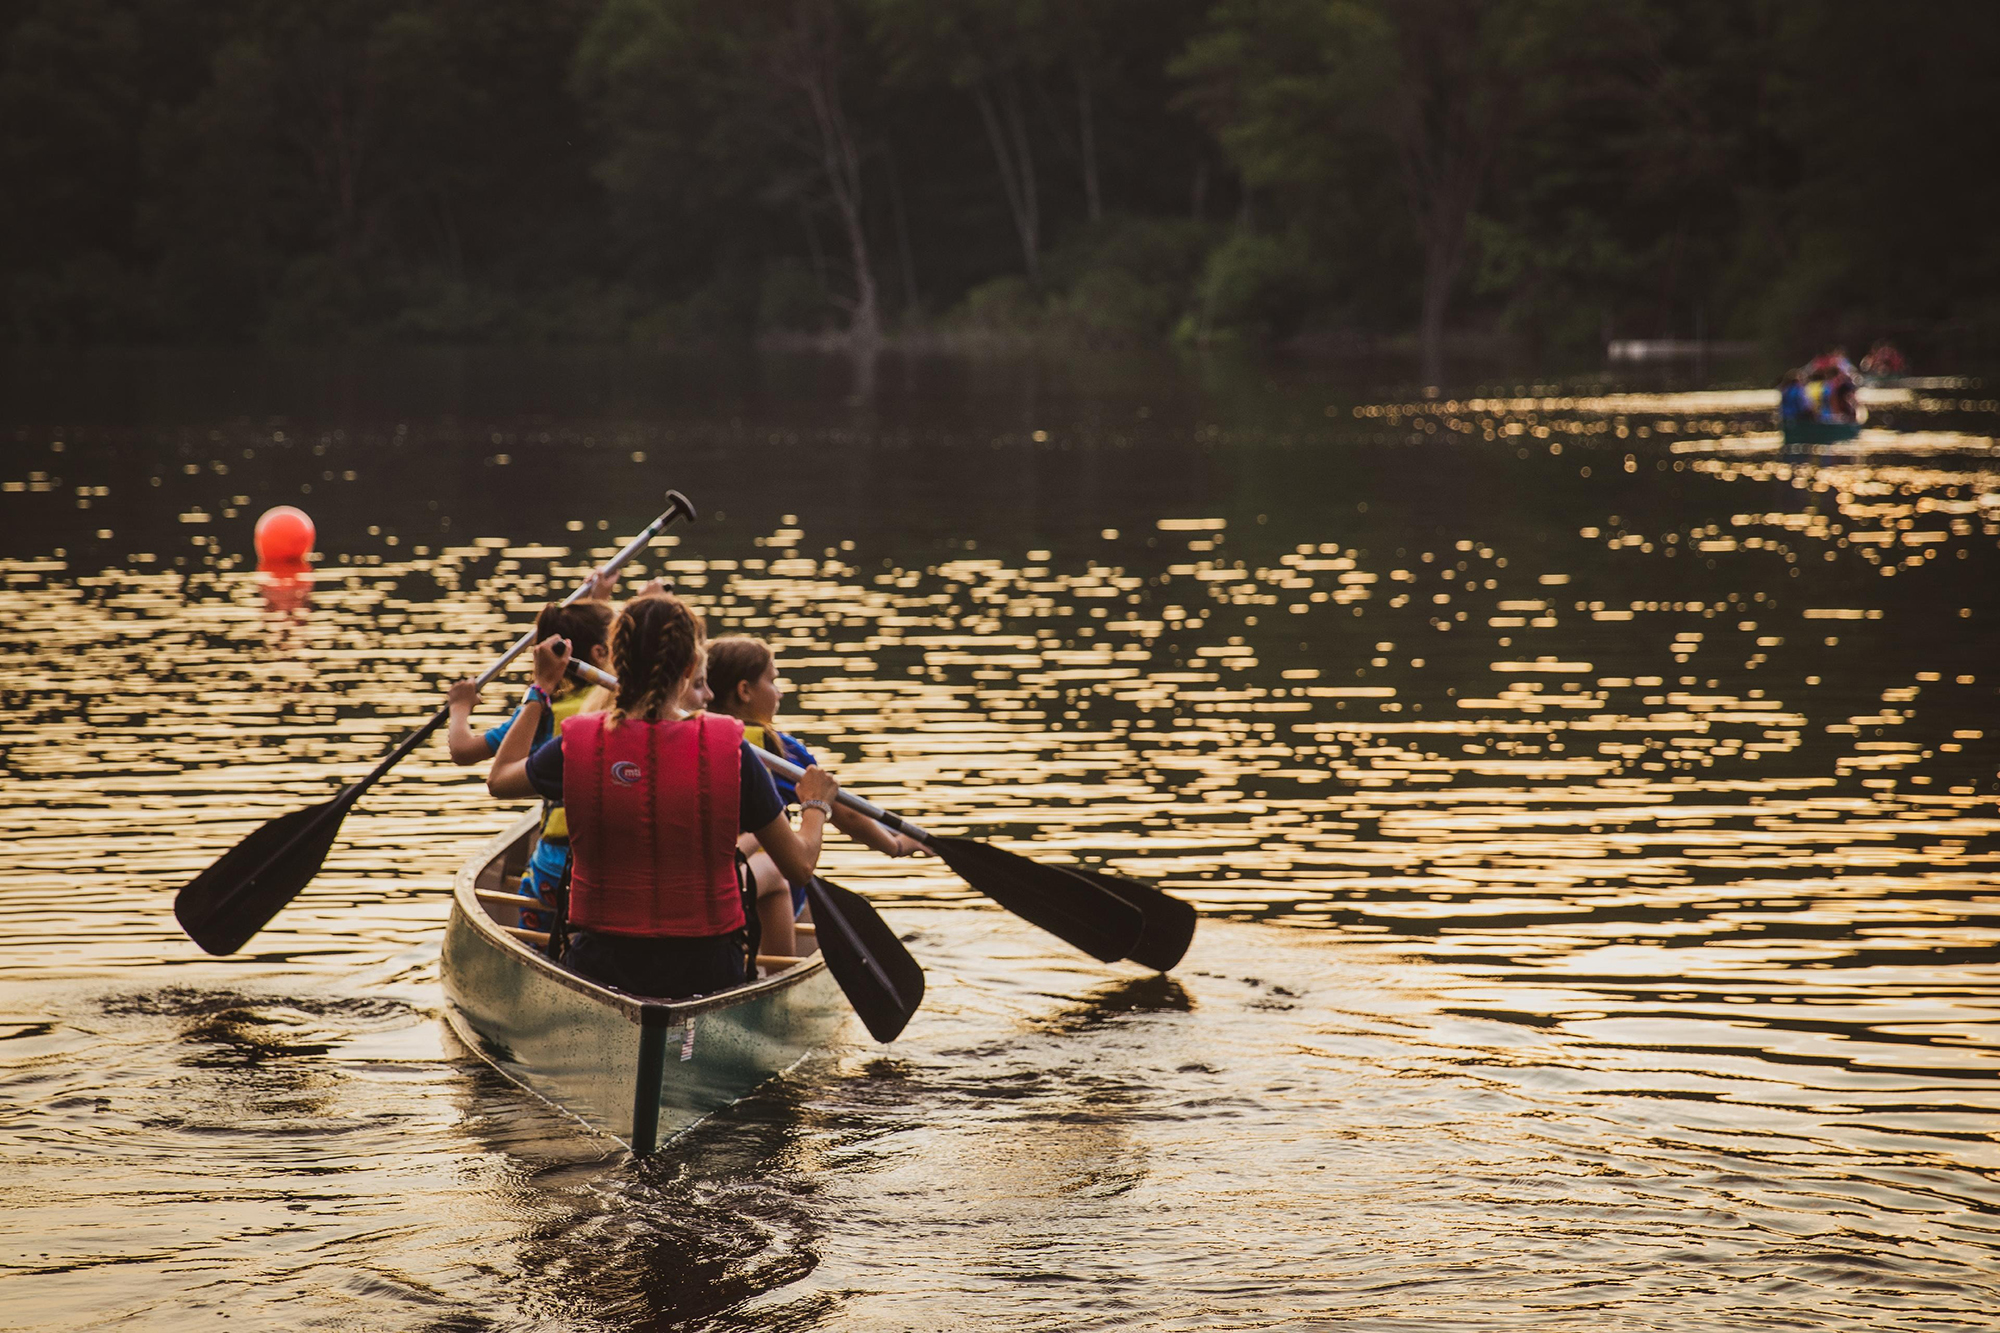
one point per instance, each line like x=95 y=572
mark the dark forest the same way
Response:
x=1313 y=173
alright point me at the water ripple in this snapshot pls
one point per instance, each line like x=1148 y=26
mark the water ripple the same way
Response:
x=1592 y=803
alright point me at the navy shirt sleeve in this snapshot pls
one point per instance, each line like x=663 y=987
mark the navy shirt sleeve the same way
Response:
x=545 y=769
x=760 y=803
x=757 y=806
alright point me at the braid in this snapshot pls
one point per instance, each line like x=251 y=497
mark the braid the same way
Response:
x=666 y=669
x=653 y=648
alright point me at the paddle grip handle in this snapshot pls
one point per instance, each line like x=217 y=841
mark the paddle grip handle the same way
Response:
x=791 y=772
x=678 y=507
x=589 y=674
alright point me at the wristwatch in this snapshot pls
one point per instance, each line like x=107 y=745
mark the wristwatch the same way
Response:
x=820 y=806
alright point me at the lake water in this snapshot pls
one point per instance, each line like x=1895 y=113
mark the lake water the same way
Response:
x=1592 y=809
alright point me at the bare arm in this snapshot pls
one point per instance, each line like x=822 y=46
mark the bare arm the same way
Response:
x=466 y=745
x=796 y=851
x=508 y=778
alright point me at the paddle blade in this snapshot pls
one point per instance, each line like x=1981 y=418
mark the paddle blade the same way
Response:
x=1069 y=907
x=1169 y=927
x=223 y=906
x=875 y=971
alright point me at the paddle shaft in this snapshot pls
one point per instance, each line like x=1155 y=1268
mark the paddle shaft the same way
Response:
x=791 y=772
x=679 y=506
x=617 y=562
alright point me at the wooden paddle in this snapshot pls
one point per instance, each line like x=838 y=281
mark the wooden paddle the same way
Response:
x=1107 y=916
x=226 y=904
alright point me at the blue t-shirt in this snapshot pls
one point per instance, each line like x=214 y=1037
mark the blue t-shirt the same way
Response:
x=544 y=729
x=757 y=806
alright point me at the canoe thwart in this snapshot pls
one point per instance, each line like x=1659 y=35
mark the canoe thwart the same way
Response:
x=770 y=962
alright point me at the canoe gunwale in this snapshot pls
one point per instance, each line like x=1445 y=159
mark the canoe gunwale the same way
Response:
x=641 y=1011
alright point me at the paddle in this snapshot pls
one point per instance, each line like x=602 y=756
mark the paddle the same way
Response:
x=1106 y=916
x=226 y=904
x=1170 y=921
x=875 y=971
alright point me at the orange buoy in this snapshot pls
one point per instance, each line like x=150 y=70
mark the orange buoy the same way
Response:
x=283 y=536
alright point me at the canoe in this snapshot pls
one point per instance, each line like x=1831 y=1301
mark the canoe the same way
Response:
x=634 y=1069
x=1806 y=432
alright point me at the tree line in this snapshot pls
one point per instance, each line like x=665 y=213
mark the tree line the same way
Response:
x=1109 y=171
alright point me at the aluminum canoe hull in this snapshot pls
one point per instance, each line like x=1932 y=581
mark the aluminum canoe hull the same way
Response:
x=634 y=1069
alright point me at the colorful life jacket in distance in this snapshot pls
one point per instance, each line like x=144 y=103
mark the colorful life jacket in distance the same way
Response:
x=653 y=809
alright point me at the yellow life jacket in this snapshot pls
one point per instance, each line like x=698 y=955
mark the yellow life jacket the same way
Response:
x=564 y=708
x=763 y=739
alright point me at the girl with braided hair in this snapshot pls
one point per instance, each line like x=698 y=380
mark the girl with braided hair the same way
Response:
x=743 y=673
x=656 y=802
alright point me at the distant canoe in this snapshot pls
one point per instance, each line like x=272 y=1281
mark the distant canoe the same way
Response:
x=1799 y=433
x=634 y=1069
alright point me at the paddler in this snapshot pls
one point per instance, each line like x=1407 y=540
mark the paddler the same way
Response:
x=1793 y=405
x=586 y=626
x=743 y=673
x=656 y=802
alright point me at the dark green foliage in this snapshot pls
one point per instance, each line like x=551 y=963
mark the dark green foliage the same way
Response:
x=1096 y=171
x=1257 y=285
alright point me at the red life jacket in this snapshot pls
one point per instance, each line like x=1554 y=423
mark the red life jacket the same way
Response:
x=653 y=809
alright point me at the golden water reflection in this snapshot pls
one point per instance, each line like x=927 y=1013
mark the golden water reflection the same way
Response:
x=1147 y=708
x=1631 y=795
